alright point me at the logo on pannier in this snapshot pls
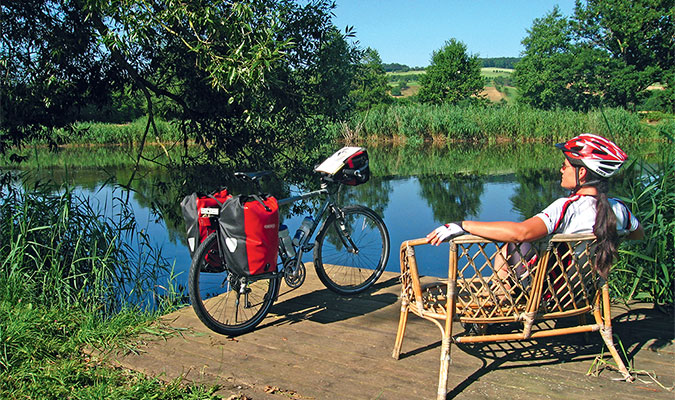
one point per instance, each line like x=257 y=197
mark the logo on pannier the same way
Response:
x=231 y=244
x=270 y=226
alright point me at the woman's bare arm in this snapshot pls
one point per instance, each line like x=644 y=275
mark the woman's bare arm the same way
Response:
x=506 y=231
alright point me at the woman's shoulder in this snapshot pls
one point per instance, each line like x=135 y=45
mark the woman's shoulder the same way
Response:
x=566 y=201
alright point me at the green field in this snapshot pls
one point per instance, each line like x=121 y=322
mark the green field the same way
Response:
x=495 y=72
x=486 y=72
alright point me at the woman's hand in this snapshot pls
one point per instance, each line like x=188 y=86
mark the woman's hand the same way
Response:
x=445 y=232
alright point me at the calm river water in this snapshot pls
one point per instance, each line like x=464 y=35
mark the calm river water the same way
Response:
x=414 y=190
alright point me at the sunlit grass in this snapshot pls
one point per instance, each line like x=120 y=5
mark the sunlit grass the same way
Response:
x=420 y=122
x=645 y=269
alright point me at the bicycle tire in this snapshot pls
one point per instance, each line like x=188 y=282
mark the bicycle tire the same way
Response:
x=348 y=273
x=215 y=293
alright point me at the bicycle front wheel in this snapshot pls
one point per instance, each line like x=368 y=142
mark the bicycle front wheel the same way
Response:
x=352 y=250
x=227 y=303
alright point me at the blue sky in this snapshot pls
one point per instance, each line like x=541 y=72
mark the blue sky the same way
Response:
x=408 y=31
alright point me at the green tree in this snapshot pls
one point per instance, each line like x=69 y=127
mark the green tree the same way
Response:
x=369 y=87
x=639 y=35
x=246 y=80
x=452 y=76
x=639 y=32
x=543 y=75
x=606 y=55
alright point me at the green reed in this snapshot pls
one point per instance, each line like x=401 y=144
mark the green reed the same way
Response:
x=57 y=250
x=107 y=133
x=70 y=278
x=645 y=269
x=421 y=122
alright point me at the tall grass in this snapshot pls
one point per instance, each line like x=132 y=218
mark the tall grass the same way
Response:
x=420 y=122
x=68 y=280
x=59 y=251
x=645 y=269
x=106 y=133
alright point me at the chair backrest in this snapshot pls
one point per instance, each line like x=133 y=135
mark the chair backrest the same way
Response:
x=500 y=281
x=570 y=282
x=550 y=276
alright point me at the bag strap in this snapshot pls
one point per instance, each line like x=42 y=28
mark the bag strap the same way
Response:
x=210 y=196
x=260 y=200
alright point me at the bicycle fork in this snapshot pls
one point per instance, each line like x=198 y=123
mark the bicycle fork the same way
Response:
x=343 y=232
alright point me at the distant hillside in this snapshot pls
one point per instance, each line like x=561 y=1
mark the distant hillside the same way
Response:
x=497 y=62
x=395 y=67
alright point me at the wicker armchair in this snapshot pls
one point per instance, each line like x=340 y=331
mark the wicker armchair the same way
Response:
x=557 y=281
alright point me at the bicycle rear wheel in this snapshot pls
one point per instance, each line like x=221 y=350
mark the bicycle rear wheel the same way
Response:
x=350 y=259
x=224 y=302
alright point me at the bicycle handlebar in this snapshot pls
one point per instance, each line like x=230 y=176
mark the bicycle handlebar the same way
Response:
x=358 y=173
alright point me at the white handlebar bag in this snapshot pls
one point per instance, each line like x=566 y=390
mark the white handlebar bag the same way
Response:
x=349 y=166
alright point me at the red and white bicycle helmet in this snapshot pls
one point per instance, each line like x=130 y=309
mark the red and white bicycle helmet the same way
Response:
x=594 y=152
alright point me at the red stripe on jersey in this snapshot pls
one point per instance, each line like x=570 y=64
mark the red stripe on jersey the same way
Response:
x=569 y=201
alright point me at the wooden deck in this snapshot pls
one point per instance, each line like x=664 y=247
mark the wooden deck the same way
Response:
x=318 y=345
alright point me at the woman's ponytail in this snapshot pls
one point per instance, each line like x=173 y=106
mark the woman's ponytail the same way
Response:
x=604 y=230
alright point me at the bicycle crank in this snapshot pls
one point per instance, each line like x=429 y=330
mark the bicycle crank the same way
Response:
x=294 y=273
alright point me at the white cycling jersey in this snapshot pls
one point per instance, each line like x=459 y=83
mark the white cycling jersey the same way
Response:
x=576 y=214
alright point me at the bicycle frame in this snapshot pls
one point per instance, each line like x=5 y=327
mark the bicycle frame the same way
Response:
x=305 y=244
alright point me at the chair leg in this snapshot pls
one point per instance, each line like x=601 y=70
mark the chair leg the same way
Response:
x=443 y=373
x=606 y=334
x=403 y=319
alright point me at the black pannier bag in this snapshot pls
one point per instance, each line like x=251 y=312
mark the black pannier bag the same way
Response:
x=249 y=232
x=198 y=227
x=349 y=165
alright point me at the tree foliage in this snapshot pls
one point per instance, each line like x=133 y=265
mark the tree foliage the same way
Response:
x=369 y=87
x=499 y=62
x=244 y=79
x=452 y=76
x=607 y=54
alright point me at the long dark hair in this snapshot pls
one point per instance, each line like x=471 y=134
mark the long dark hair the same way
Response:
x=604 y=228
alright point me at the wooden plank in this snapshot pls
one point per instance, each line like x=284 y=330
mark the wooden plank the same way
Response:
x=316 y=344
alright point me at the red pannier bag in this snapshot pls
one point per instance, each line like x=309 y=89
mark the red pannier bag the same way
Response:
x=249 y=231
x=199 y=228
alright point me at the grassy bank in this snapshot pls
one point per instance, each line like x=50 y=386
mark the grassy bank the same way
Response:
x=415 y=123
x=445 y=122
x=70 y=279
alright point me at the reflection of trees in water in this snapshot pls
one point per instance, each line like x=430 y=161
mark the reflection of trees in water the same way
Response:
x=536 y=189
x=452 y=198
x=373 y=194
x=458 y=157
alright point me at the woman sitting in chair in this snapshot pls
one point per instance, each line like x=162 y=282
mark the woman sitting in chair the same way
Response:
x=589 y=161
